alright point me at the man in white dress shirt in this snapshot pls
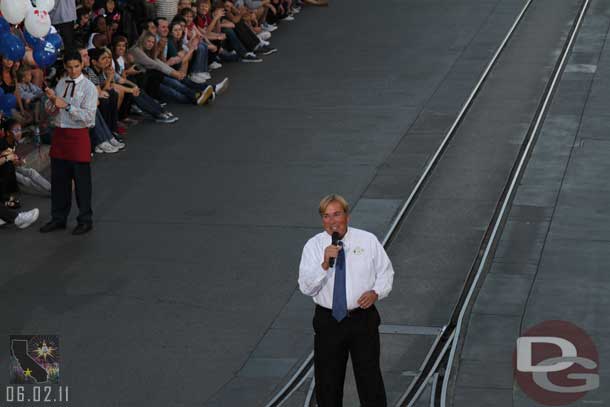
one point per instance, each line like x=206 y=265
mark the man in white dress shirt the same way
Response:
x=345 y=280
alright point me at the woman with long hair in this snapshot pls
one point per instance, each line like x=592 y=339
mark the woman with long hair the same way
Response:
x=174 y=85
x=8 y=84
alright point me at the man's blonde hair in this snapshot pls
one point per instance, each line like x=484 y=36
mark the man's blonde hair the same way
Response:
x=333 y=198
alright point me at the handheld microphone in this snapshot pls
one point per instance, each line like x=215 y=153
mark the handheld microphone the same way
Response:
x=335 y=240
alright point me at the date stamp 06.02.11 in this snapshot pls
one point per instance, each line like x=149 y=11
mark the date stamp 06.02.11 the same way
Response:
x=34 y=373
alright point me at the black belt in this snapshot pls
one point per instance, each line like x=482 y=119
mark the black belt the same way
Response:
x=350 y=313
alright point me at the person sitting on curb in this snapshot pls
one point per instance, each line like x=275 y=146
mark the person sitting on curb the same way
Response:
x=8 y=177
x=28 y=179
x=22 y=219
x=171 y=86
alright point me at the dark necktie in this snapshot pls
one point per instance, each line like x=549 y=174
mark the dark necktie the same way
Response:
x=69 y=83
x=339 y=295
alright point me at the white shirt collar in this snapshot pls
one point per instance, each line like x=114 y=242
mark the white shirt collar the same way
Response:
x=77 y=80
x=345 y=239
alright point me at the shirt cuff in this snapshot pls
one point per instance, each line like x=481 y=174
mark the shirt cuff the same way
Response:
x=381 y=293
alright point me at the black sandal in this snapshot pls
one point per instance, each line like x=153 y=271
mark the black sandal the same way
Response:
x=12 y=203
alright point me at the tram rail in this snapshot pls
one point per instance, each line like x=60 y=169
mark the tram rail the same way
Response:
x=439 y=363
x=441 y=356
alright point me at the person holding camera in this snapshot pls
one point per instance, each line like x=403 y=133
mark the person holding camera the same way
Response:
x=8 y=162
x=29 y=180
x=8 y=177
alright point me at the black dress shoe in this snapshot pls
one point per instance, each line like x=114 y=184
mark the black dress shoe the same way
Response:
x=82 y=228
x=51 y=226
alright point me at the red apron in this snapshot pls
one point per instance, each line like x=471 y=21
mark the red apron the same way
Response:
x=71 y=145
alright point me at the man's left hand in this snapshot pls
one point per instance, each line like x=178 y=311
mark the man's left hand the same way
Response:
x=367 y=299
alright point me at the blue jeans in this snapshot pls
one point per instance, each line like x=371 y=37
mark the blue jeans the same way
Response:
x=148 y=104
x=199 y=87
x=199 y=63
x=100 y=132
x=184 y=91
x=174 y=90
x=234 y=41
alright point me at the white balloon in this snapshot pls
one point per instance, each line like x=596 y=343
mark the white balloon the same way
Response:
x=45 y=4
x=38 y=22
x=14 y=11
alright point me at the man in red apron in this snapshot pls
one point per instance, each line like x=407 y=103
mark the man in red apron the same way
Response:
x=73 y=104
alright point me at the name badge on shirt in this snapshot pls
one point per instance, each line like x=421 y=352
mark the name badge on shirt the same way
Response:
x=358 y=250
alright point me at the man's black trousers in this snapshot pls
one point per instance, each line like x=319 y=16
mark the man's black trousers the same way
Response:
x=356 y=336
x=62 y=174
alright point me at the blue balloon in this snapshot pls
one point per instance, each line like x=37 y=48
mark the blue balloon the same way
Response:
x=4 y=26
x=8 y=101
x=30 y=39
x=11 y=47
x=54 y=39
x=45 y=54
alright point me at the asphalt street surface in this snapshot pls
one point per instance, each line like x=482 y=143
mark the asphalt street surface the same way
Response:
x=185 y=292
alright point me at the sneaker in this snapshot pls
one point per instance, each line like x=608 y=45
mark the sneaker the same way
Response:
x=268 y=27
x=261 y=44
x=322 y=3
x=136 y=110
x=200 y=77
x=266 y=50
x=296 y=10
x=129 y=121
x=170 y=116
x=205 y=96
x=118 y=137
x=2 y=223
x=106 y=147
x=116 y=143
x=162 y=104
x=250 y=57
x=264 y=35
x=164 y=118
x=288 y=18
x=215 y=65
x=222 y=86
x=25 y=219
x=225 y=56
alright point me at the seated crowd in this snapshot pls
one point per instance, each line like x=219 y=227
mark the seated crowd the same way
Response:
x=140 y=55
